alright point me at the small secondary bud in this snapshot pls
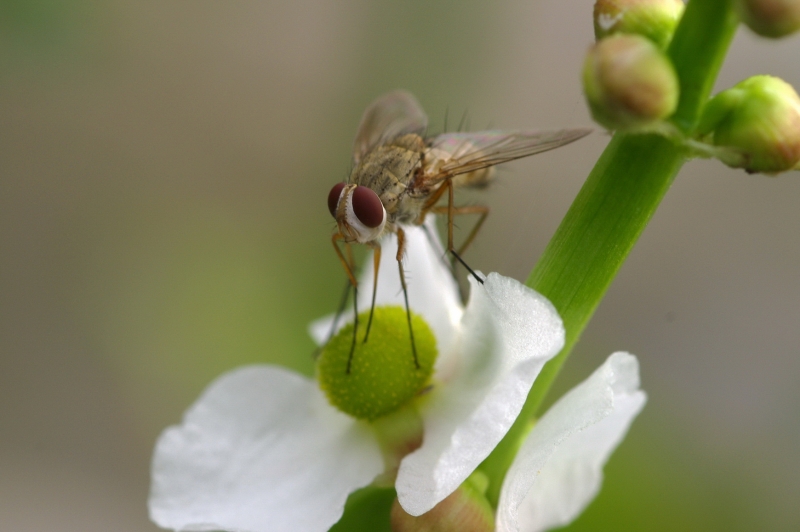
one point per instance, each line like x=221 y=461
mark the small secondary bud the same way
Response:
x=464 y=510
x=654 y=19
x=383 y=375
x=760 y=119
x=771 y=18
x=629 y=82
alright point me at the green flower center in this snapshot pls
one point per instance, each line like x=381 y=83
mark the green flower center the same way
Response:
x=383 y=375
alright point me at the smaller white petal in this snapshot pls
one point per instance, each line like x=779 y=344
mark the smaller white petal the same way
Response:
x=508 y=333
x=559 y=468
x=432 y=290
x=260 y=451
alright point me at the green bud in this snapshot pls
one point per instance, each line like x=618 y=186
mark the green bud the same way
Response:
x=382 y=374
x=771 y=18
x=398 y=433
x=759 y=119
x=629 y=83
x=654 y=19
x=464 y=510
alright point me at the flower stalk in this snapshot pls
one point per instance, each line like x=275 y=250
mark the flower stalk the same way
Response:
x=615 y=204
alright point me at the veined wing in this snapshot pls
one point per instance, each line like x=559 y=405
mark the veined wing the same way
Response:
x=452 y=154
x=390 y=116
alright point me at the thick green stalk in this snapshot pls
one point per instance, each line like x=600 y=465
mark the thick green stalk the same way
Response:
x=615 y=204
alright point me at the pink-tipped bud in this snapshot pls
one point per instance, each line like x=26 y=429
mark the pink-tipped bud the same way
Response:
x=771 y=18
x=629 y=83
x=654 y=19
x=759 y=119
x=464 y=510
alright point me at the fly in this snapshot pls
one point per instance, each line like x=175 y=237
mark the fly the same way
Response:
x=400 y=175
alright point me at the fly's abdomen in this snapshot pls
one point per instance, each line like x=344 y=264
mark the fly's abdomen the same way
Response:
x=476 y=179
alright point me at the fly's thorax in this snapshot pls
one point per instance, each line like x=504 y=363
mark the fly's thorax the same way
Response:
x=388 y=170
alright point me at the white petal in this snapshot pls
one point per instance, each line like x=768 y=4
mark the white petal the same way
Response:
x=509 y=332
x=432 y=291
x=559 y=468
x=260 y=451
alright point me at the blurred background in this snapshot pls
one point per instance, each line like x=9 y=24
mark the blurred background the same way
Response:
x=164 y=168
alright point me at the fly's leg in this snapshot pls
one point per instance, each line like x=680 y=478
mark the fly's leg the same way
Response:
x=376 y=262
x=401 y=245
x=427 y=207
x=355 y=329
x=349 y=266
x=464 y=264
x=450 y=215
x=434 y=242
x=452 y=211
x=468 y=209
x=483 y=210
x=340 y=310
x=431 y=201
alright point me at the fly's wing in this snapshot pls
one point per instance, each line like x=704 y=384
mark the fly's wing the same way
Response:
x=390 y=116
x=452 y=154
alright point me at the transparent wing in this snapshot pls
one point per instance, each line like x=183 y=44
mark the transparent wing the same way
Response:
x=452 y=154
x=391 y=115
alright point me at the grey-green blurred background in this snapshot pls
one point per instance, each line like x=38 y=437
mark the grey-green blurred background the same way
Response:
x=164 y=167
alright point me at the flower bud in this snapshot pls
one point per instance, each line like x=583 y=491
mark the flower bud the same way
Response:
x=464 y=510
x=759 y=119
x=629 y=82
x=654 y=19
x=382 y=373
x=771 y=18
x=399 y=433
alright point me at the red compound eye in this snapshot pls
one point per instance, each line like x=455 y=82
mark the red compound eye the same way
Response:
x=333 y=198
x=367 y=206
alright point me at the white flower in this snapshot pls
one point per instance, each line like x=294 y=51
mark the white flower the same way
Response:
x=263 y=451
x=559 y=468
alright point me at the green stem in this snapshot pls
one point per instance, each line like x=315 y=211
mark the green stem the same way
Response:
x=615 y=204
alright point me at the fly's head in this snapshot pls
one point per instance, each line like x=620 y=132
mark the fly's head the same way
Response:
x=358 y=211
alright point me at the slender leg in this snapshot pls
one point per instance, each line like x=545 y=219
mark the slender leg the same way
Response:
x=431 y=201
x=435 y=244
x=349 y=267
x=337 y=317
x=468 y=209
x=376 y=262
x=401 y=244
x=355 y=329
x=451 y=212
x=464 y=264
x=446 y=263
x=450 y=215
x=352 y=262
